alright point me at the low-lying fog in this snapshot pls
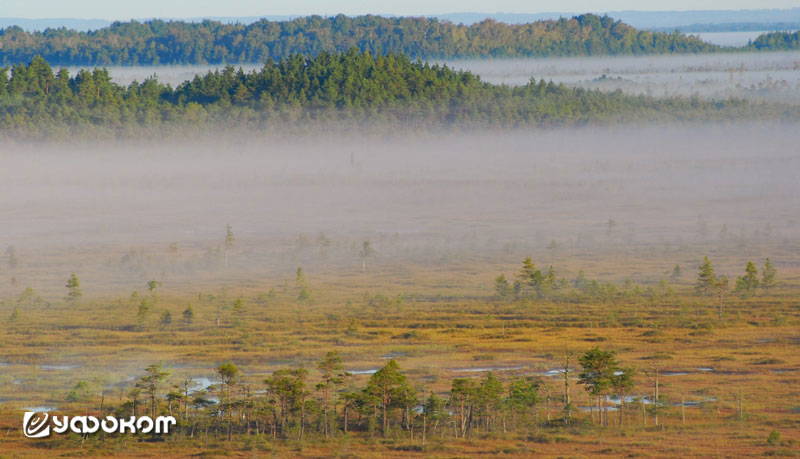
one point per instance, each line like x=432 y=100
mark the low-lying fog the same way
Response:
x=730 y=38
x=466 y=193
x=771 y=77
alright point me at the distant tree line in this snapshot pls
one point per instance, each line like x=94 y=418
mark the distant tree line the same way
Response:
x=160 y=42
x=730 y=27
x=532 y=284
x=776 y=41
x=35 y=101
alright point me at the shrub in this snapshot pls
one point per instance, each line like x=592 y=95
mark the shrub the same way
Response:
x=774 y=438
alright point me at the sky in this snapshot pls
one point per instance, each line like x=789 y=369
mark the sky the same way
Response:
x=105 y=9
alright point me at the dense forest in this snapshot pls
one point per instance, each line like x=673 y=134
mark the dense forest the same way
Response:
x=158 y=42
x=351 y=86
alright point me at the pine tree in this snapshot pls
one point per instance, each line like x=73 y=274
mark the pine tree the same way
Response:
x=188 y=315
x=331 y=368
x=705 y=278
x=390 y=386
x=229 y=239
x=11 y=257
x=229 y=376
x=366 y=252
x=531 y=279
x=580 y=280
x=722 y=288
x=152 y=286
x=598 y=373
x=150 y=383
x=768 y=275
x=748 y=283
x=166 y=318
x=74 y=292
x=142 y=313
x=501 y=286
x=238 y=311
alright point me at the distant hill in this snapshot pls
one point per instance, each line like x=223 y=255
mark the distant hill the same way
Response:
x=685 y=21
x=733 y=27
x=81 y=25
x=653 y=20
x=776 y=41
x=678 y=19
x=177 y=42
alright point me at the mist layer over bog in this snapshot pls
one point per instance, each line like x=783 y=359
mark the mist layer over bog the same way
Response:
x=771 y=77
x=414 y=197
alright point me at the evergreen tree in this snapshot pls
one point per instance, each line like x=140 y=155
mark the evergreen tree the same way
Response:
x=229 y=240
x=768 y=275
x=389 y=386
x=152 y=286
x=598 y=374
x=11 y=256
x=531 y=278
x=434 y=411
x=228 y=374
x=166 y=318
x=238 y=311
x=748 y=283
x=331 y=368
x=150 y=384
x=462 y=399
x=188 y=315
x=523 y=395
x=366 y=252
x=705 y=278
x=74 y=291
x=580 y=280
x=141 y=313
x=622 y=383
x=490 y=398
x=721 y=286
x=501 y=286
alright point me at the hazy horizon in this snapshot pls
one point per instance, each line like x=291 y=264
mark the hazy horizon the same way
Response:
x=640 y=18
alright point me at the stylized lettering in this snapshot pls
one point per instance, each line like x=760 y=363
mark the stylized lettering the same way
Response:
x=60 y=426
x=91 y=430
x=113 y=422
x=143 y=420
x=129 y=423
x=163 y=423
x=35 y=425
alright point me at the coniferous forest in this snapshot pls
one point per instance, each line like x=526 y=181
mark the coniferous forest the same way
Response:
x=36 y=101
x=160 y=42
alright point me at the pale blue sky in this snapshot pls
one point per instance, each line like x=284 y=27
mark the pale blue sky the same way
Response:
x=126 y=9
